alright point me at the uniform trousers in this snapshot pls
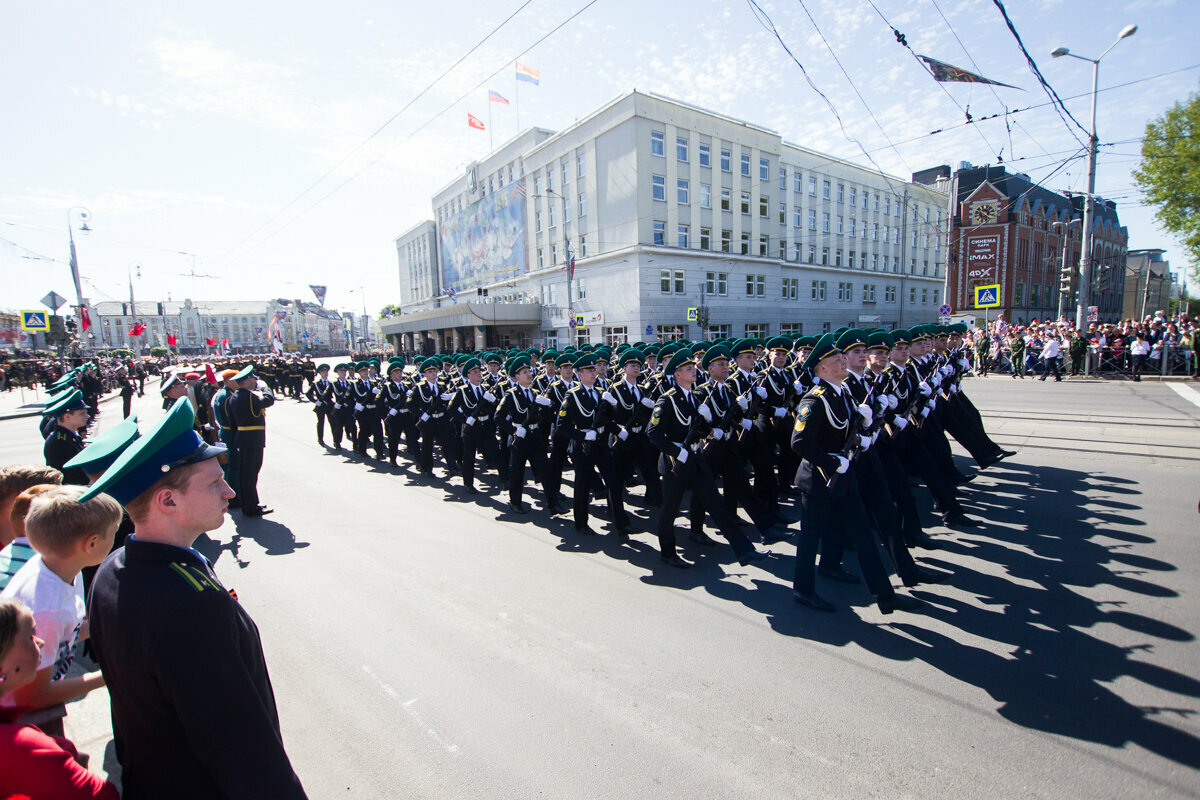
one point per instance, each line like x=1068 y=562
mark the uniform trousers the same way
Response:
x=695 y=476
x=250 y=460
x=529 y=450
x=590 y=459
x=828 y=515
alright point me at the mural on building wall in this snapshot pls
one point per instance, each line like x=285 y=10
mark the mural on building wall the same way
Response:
x=485 y=242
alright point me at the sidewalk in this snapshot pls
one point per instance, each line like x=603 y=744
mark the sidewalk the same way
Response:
x=31 y=402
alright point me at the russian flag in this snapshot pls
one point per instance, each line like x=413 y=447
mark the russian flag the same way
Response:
x=496 y=97
x=529 y=74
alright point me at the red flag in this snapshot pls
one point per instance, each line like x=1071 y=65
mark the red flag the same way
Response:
x=224 y=343
x=84 y=320
x=209 y=375
x=475 y=122
x=132 y=331
x=211 y=342
x=171 y=339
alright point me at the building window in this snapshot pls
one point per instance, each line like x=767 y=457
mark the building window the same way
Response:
x=566 y=212
x=549 y=180
x=763 y=202
x=795 y=251
x=671 y=281
x=1033 y=295
x=757 y=330
x=791 y=288
x=889 y=294
x=681 y=192
x=553 y=254
x=764 y=169
x=580 y=166
x=660 y=232
x=582 y=204
x=538 y=220
x=887 y=206
x=705 y=155
x=812 y=187
x=825 y=256
x=658 y=187
x=812 y=220
x=782 y=179
x=852 y=223
x=782 y=249
x=537 y=184
x=797 y=182
x=825 y=186
x=583 y=248
x=818 y=290
x=681 y=148
x=580 y=289
x=657 y=143
x=745 y=243
x=868 y=293
x=825 y=221
x=839 y=225
x=705 y=195
x=837 y=257
x=875 y=232
x=853 y=195
x=722 y=331
x=682 y=236
x=745 y=202
x=726 y=239
x=874 y=201
x=791 y=328
x=763 y=241
x=746 y=164
x=937 y=292
x=726 y=157
x=553 y=221
x=796 y=217
x=669 y=333
x=841 y=193
x=912 y=295
x=726 y=198
x=706 y=238
x=541 y=258
x=886 y=229
x=783 y=213
x=717 y=283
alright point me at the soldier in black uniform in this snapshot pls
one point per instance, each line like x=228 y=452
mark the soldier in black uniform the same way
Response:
x=631 y=408
x=678 y=429
x=364 y=395
x=583 y=419
x=825 y=431
x=559 y=440
x=343 y=408
x=524 y=419
x=473 y=407
x=427 y=402
x=248 y=411
x=320 y=392
x=393 y=403
x=753 y=443
x=193 y=710
x=70 y=415
x=775 y=421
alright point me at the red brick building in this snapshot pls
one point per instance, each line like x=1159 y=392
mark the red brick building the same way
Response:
x=1007 y=231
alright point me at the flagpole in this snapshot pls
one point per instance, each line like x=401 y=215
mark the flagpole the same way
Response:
x=517 y=97
x=491 y=145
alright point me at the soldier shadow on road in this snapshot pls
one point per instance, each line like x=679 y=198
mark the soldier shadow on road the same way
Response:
x=275 y=538
x=1056 y=678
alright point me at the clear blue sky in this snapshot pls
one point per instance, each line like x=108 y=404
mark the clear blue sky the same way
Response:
x=187 y=129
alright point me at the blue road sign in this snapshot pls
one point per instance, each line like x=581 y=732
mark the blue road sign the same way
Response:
x=987 y=296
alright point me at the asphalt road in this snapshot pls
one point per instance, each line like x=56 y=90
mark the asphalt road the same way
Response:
x=425 y=645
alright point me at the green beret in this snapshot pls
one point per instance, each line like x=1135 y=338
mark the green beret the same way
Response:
x=432 y=362
x=584 y=360
x=170 y=444
x=806 y=341
x=361 y=365
x=825 y=347
x=681 y=357
x=714 y=353
x=779 y=343
x=102 y=451
x=901 y=336
x=515 y=365
x=71 y=402
x=322 y=367
x=248 y=372
x=851 y=338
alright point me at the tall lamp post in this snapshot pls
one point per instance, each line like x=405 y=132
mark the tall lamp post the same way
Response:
x=82 y=215
x=1085 y=258
x=134 y=267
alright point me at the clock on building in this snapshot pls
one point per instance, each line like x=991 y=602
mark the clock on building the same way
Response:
x=983 y=213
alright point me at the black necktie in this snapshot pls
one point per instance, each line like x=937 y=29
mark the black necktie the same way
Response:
x=528 y=396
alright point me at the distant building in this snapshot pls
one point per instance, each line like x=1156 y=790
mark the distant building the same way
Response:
x=1149 y=284
x=247 y=326
x=660 y=204
x=1009 y=232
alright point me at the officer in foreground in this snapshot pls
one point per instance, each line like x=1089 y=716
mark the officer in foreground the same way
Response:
x=192 y=706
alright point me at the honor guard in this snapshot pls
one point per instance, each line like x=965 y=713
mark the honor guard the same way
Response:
x=631 y=409
x=427 y=402
x=248 y=411
x=343 y=408
x=524 y=418
x=473 y=407
x=397 y=421
x=320 y=393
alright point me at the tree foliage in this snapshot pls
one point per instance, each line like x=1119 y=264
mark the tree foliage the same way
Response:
x=391 y=310
x=1169 y=174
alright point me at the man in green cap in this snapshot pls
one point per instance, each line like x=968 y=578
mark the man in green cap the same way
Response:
x=64 y=442
x=370 y=426
x=427 y=403
x=320 y=393
x=343 y=408
x=524 y=418
x=192 y=702
x=559 y=440
x=473 y=407
x=393 y=404
x=631 y=407
x=248 y=411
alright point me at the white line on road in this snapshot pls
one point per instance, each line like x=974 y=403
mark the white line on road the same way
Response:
x=1187 y=393
x=450 y=747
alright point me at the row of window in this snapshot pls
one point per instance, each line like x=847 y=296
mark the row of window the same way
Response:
x=552 y=213
x=672 y=281
x=580 y=252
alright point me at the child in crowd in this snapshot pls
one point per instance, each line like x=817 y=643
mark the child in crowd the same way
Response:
x=67 y=536
x=14 y=480
x=17 y=550
x=33 y=764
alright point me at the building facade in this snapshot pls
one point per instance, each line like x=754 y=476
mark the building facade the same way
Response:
x=247 y=326
x=1011 y=233
x=664 y=208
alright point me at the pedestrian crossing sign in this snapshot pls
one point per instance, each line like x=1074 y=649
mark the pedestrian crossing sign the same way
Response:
x=693 y=314
x=987 y=296
x=35 y=321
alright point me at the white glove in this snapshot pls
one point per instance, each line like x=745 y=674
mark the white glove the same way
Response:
x=377 y=391
x=933 y=403
x=843 y=464
x=936 y=379
x=924 y=388
x=542 y=400
x=393 y=412
x=925 y=412
x=761 y=391
x=683 y=454
x=799 y=387
x=704 y=412
x=446 y=396
x=470 y=421
x=647 y=402
x=947 y=370
x=900 y=422
x=622 y=434
x=424 y=418
x=747 y=424
x=954 y=388
x=962 y=362
x=892 y=401
x=590 y=436
x=358 y=406
x=491 y=398
x=337 y=405
x=519 y=431
x=718 y=434
x=864 y=411
x=743 y=403
x=864 y=441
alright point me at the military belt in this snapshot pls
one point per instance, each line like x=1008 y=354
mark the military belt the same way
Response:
x=438 y=415
x=252 y=427
x=531 y=427
x=636 y=429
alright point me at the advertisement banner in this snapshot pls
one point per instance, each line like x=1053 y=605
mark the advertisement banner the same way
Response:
x=485 y=242
x=982 y=262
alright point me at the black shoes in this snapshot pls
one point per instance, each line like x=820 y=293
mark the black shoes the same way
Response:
x=927 y=576
x=555 y=508
x=899 y=601
x=470 y=490
x=960 y=521
x=675 y=561
x=516 y=508
x=752 y=556
x=837 y=574
x=700 y=537
x=814 y=601
x=924 y=541
x=585 y=529
x=778 y=533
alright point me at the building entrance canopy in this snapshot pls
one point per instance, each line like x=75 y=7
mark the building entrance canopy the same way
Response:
x=465 y=315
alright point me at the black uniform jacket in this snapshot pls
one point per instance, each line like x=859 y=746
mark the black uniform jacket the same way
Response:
x=192 y=706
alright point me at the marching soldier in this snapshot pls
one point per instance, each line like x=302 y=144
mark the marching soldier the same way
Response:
x=473 y=407
x=754 y=446
x=343 y=408
x=427 y=402
x=393 y=402
x=524 y=417
x=248 y=411
x=370 y=426
x=631 y=409
x=559 y=439
x=320 y=392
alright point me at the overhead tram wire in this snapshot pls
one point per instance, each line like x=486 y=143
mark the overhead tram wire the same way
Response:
x=420 y=127
x=378 y=130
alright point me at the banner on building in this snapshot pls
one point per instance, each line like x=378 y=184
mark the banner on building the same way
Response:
x=485 y=242
x=319 y=293
x=982 y=261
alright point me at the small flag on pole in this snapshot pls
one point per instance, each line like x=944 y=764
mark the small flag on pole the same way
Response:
x=570 y=267
x=84 y=319
x=528 y=74
x=453 y=295
x=948 y=73
x=496 y=97
x=475 y=122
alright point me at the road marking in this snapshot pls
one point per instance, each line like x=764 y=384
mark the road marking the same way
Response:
x=1187 y=393
x=450 y=747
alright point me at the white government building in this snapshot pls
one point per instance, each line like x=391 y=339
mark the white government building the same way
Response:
x=658 y=202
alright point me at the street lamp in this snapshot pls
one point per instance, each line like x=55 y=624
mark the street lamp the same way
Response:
x=1085 y=258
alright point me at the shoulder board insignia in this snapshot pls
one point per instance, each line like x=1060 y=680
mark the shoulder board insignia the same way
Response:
x=670 y=392
x=562 y=412
x=656 y=415
x=818 y=391
x=194 y=577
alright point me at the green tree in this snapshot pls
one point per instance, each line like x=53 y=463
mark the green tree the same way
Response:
x=389 y=311
x=1169 y=174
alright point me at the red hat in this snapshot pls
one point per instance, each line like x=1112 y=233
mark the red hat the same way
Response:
x=192 y=376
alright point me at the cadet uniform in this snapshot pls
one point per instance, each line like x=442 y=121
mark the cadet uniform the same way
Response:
x=248 y=411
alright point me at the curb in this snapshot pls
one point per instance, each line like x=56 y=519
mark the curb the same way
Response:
x=37 y=412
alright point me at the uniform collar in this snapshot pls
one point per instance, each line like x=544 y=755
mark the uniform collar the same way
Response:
x=160 y=551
